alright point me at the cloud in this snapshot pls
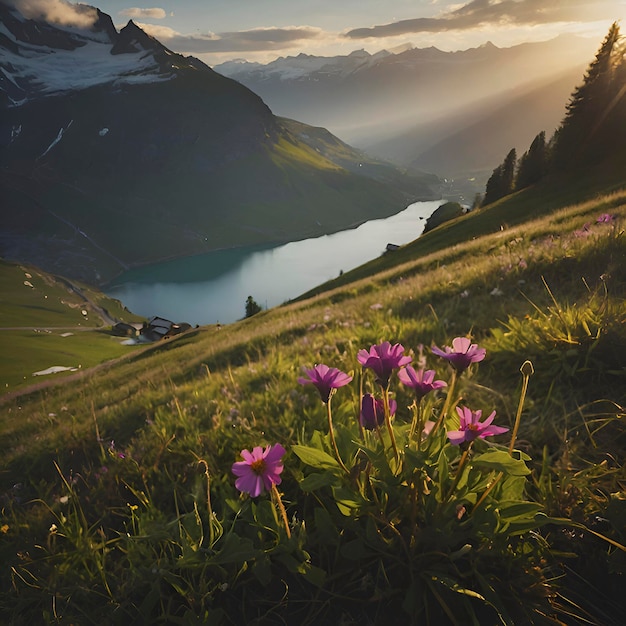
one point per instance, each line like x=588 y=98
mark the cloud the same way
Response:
x=56 y=11
x=494 y=13
x=154 y=13
x=257 y=39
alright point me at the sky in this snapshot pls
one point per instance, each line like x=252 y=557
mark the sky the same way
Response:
x=262 y=30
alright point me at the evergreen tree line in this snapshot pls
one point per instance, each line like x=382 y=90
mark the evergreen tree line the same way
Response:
x=593 y=126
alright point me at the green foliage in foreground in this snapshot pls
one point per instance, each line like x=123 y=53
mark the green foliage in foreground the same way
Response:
x=118 y=502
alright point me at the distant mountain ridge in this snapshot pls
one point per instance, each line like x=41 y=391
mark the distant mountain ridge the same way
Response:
x=365 y=97
x=116 y=151
x=400 y=105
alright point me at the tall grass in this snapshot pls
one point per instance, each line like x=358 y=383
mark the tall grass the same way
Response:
x=117 y=498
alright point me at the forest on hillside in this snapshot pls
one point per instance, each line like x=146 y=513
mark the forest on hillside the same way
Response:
x=594 y=126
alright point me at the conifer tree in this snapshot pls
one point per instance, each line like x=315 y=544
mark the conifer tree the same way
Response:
x=252 y=307
x=532 y=165
x=589 y=103
x=493 y=190
x=508 y=172
x=502 y=180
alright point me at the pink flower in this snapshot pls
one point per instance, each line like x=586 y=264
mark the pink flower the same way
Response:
x=585 y=231
x=325 y=379
x=422 y=381
x=462 y=353
x=605 y=218
x=383 y=359
x=471 y=427
x=259 y=470
x=373 y=411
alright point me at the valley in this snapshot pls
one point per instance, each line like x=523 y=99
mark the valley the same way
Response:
x=432 y=434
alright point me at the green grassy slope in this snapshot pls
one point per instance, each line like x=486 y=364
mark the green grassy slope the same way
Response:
x=549 y=288
x=545 y=197
x=49 y=321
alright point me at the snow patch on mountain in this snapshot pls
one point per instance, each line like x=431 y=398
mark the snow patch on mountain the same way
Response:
x=302 y=67
x=54 y=70
x=56 y=140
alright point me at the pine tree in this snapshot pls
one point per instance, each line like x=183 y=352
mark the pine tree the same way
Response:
x=493 y=190
x=533 y=164
x=589 y=103
x=252 y=307
x=508 y=172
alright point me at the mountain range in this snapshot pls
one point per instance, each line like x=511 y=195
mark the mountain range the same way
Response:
x=424 y=107
x=116 y=152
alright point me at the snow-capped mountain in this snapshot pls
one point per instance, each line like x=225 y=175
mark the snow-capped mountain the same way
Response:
x=39 y=58
x=115 y=151
x=301 y=67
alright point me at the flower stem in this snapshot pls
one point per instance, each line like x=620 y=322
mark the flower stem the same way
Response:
x=487 y=491
x=446 y=405
x=281 y=508
x=204 y=464
x=459 y=471
x=389 y=426
x=331 y=430
x=527 y=370
x=416 y=424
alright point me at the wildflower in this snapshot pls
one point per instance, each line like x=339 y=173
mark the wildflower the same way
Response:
x=383 y=359
x=325 y=379
x=462 y=353
x=428 y=427
x=471 y=427
x=422 y=381
x=465 y=293
x=259 y=470
x=585 y=231
x=373 y=411
x=605 y=218
x=496 y=292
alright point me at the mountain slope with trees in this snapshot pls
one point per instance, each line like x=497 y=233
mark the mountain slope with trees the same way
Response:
x=593 y=130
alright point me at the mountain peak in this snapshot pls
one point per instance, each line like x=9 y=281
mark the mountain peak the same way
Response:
x=104 y=23
x=133 y=39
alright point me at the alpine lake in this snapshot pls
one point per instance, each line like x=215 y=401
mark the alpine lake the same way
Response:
x=212 y=288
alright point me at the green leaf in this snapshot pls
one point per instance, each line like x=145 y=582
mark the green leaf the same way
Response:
x=355 y=550
x=315 y=575
x=347 y=501
x=234 y=549
x=444 y=473
x=262 y=570
x=501 y=461
x=316 y=458
x=455 y=586
x=511 y=511
x=317 y=481
x=326 y=529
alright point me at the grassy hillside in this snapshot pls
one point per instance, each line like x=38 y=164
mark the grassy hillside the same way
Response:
x=118 y=502
x=48 y=321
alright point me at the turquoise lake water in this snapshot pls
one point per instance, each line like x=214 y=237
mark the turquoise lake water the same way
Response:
x=213 y=287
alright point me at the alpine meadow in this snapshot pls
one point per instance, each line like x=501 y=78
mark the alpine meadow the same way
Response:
x=435 y=437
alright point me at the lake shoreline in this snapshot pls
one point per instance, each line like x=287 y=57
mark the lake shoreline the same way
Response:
x=212 y=287
x=113 y=282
